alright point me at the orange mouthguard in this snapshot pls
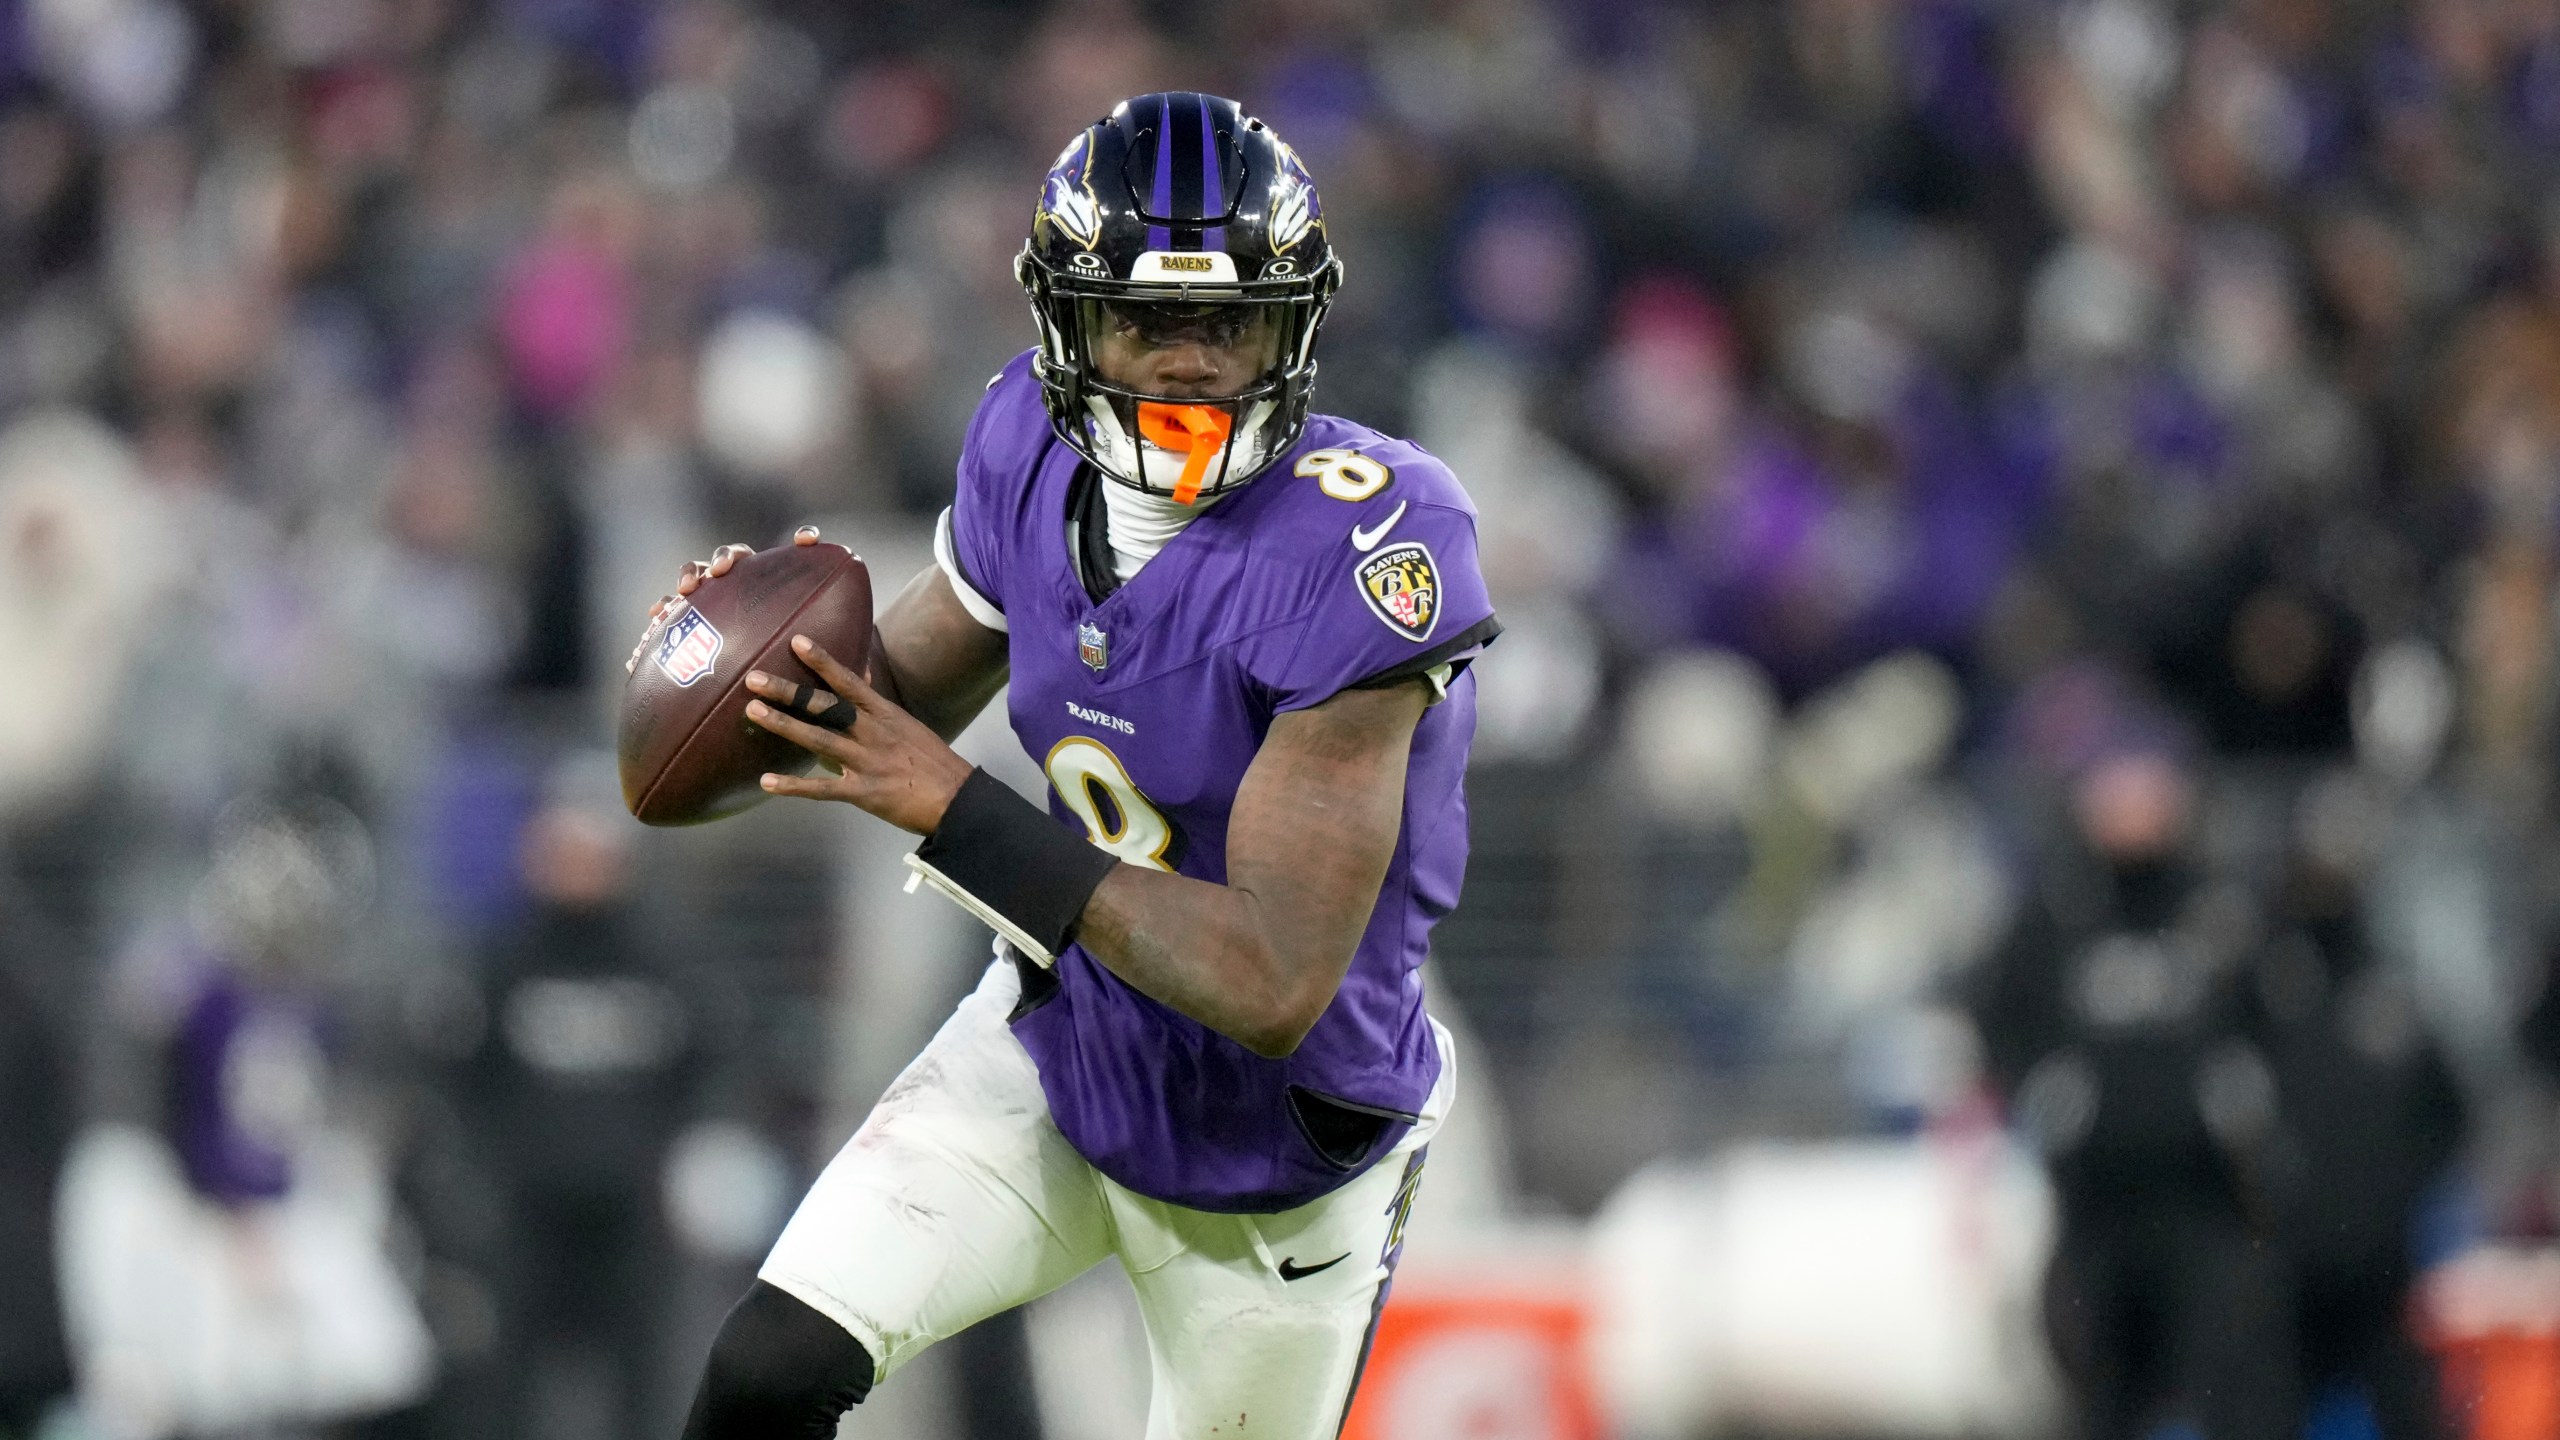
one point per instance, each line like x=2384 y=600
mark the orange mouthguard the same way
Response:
x=1200 y=429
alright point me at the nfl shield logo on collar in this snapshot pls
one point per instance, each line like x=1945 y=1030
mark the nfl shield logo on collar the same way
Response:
x=1092 y=646
x=687 y=648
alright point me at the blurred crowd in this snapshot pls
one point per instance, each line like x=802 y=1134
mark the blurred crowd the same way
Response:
x=2027 y=530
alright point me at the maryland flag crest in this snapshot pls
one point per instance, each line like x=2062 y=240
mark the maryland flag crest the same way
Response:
x=1403 y=587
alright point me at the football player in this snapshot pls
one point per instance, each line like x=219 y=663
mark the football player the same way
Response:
x=1237 y=635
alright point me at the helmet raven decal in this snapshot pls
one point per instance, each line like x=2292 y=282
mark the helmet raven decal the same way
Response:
x=1067 y=200
x=1178 y=218
x=1294 y=210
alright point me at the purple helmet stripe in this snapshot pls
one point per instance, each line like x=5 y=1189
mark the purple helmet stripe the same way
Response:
x=1161 y=202
x=1189 y=168
x=1213 y=182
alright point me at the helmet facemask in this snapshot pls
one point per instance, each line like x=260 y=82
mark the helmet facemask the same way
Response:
x=1182 y=446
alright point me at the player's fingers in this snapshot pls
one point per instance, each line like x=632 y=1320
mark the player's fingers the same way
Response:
x=691 y=576
x=726 y=556
x=807 y=702
x=805 y=535
x=807 y=787
x=826 y=744
x=834 y=672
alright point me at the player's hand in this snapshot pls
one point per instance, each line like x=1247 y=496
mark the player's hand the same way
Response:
x=690 y=578
x=890 y=764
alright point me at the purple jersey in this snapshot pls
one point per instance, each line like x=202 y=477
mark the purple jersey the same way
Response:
x=1351 y=560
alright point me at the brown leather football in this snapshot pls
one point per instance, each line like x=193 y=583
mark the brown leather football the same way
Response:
x=688 y=751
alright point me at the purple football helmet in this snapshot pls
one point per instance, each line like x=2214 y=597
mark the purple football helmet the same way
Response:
x=1179 y=216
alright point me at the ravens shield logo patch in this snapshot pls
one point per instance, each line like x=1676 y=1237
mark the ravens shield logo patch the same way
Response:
x=1403 y=587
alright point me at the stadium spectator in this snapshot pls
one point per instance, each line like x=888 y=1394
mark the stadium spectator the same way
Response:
x=2116 y=1030
x=35 y=1131
x=588 y=1068
x=2371 y=1118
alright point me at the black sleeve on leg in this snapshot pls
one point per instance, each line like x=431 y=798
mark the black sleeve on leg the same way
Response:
x=779 y=1371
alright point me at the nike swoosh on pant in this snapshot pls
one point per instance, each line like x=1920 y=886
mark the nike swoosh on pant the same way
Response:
x=1289 y=1268
x=1367 y=540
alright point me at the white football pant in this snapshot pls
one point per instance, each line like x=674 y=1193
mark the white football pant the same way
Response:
x=958 y=1199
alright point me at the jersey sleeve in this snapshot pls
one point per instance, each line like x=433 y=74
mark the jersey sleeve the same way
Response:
x=1411 y=605
x=946 y=553
x=969 y=539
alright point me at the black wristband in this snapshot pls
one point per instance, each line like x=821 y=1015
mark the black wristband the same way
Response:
x=1007 y=862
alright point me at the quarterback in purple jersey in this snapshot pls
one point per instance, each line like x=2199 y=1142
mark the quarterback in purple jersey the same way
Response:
x=1237 y=635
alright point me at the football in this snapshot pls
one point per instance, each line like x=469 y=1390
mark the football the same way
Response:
x=688 y=752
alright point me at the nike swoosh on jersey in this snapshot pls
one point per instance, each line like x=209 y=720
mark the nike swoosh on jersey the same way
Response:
x=1289 y=1268
x=1365 y=541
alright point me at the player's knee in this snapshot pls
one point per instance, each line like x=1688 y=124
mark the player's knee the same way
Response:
x=779 y=1371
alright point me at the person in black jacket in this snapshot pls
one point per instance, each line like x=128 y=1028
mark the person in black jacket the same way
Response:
x=2113 y=1024
x=2372 y=1118
x=587 y=1073
x=35 y=1131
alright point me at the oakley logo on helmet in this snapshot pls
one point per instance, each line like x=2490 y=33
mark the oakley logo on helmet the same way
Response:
x=1178 y=219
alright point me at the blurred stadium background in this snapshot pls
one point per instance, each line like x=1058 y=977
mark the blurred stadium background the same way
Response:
x=2015 y=868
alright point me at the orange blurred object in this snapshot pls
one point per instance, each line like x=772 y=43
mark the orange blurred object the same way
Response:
x=2504 y=1386
x=2492 y=1317
x=1199 y=429
x=1467 y=1363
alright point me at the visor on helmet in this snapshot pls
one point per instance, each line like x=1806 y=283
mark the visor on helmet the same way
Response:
x=1243 y=340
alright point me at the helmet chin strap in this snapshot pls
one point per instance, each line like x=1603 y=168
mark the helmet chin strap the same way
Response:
x=1200 y=429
